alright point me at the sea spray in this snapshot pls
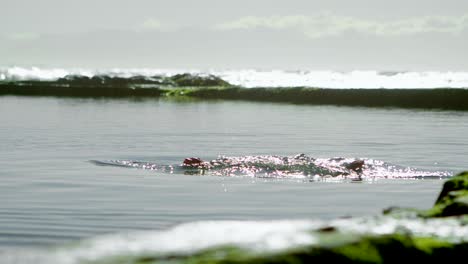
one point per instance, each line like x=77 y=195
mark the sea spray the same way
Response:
x=263 y=78
x=299 y=166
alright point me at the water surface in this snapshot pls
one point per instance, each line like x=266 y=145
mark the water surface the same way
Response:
x=51 y=193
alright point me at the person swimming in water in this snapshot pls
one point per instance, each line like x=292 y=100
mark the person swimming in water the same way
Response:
x=276 y=165
x=193 y=162
x=263 y=166
x=355 y=166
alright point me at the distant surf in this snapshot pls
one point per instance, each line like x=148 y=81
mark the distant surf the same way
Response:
x=368 y=89
x=249 y=78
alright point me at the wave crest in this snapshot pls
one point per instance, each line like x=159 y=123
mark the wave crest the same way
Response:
x=253 y=237
x=257 y=78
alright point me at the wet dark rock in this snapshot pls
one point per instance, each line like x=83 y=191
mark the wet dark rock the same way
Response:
x=187 y=79
x=178 y=80
x=327 y=229
x=457 y=183
x=453 y=199
x=403 y=213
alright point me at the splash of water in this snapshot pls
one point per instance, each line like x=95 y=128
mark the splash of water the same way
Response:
x=299 y=166
x=257 y=78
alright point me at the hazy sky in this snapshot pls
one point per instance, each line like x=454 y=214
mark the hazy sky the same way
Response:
x=302 y=34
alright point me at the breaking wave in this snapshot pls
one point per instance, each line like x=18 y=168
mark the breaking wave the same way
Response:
x=256 y=237
x=404 y=89
x=257 y=78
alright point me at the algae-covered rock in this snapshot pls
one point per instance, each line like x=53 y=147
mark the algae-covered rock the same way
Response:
x=368 y=249
x=187 y=79
x=453 y=199
x=457 y=183
x=403 y=213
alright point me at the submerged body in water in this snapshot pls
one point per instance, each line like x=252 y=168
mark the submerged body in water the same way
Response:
x=273 y=166
x=276 y=165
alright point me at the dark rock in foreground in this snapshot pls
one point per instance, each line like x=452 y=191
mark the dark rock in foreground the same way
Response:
x=453 y=199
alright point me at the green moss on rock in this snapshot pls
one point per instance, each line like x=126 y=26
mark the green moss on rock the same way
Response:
x=395 y=248
x=457 y=183
x=453 y=199
x=187 y=79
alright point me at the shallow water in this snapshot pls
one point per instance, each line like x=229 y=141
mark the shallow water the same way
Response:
x=51 y=193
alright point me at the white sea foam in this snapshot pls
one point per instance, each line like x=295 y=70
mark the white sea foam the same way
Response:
x=353 y=79
x=258 y=236
x=182 y=239
x=273 y=78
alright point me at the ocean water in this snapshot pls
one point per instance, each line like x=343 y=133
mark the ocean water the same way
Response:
x=52 y=194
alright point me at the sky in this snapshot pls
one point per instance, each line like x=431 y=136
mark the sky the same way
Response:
x=344 y=35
